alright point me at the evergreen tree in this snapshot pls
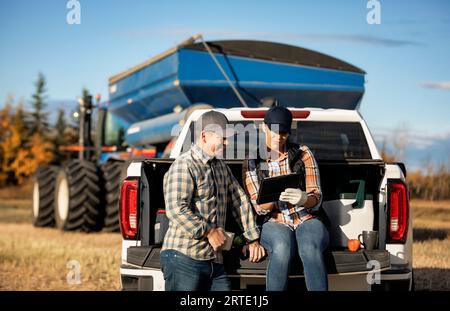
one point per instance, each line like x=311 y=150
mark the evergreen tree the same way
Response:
x=60 y=135
x=39 y=118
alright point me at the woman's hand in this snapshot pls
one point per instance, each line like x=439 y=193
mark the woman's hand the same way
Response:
x=257 y=252
x=294 y=196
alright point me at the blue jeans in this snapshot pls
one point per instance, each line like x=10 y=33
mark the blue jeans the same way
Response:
x=182 y=273
x=310 y=239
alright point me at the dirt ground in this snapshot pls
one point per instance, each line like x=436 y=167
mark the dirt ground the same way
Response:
x=48 y=259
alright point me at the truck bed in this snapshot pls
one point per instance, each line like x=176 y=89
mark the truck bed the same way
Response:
x=338 y=259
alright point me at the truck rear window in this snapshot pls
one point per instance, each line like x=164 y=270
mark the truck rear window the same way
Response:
x=332 y=140
x=327 y=140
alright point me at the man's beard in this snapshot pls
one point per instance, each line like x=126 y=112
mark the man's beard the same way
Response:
x=220 y=152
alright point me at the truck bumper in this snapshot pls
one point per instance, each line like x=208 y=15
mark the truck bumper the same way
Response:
x=138 y=279
x=148 y=279
x=395 y=280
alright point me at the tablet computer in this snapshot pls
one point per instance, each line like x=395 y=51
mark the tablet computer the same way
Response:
x=271 y=187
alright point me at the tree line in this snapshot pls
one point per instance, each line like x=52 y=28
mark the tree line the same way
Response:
x=27 y=140
x=430 y=183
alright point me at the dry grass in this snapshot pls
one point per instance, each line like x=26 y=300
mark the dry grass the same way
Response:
x=431 y=223
x=15 y=211
x=17 y=192
x=35 y=259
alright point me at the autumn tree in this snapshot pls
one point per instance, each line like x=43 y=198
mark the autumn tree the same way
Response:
x=400 y=140
x=5 y=125
x=28 y=160
x=24 y=144
x=385 y=155
x=14 y=145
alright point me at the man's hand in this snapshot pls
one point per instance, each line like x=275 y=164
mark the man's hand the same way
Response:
x=294 y=196
x=216 y=237
x=267 y=206
x=257 y=252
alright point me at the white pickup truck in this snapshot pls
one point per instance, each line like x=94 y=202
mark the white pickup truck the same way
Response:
x=360 y=192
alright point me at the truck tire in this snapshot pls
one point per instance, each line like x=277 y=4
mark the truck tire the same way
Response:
x=44 y=195
x=112 y=172
x=77 y=197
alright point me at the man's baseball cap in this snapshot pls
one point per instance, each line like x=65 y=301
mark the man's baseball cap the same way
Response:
x=280 y=117
x=214 y=121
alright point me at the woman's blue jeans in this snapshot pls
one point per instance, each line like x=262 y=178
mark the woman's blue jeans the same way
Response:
x=310 y=239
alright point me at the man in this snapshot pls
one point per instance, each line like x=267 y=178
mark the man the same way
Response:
x=197 y=188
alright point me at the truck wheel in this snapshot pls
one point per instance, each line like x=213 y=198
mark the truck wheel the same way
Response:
x=77 y=197
x=112 y=172
x=44 y=195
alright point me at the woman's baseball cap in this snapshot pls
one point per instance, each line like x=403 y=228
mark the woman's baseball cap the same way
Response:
x=280 y=117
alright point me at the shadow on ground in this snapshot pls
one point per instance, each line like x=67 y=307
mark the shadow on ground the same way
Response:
x=430 y=279
x=426 y=234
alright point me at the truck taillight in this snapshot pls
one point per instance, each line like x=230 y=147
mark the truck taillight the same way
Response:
x=128 y=208
x=398 y=204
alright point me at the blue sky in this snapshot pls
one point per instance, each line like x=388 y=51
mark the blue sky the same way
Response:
x=406 y=57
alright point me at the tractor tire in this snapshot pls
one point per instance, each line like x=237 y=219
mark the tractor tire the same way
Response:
x=112 y=174
x=77 y=197
x=44 y=195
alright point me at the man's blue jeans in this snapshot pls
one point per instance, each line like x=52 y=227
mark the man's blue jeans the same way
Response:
x=182 y=273
x=310 y=239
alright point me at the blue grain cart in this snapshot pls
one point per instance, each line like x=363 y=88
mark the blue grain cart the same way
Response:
x=146 y=102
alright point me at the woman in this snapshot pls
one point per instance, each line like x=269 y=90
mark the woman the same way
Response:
x=289 y=224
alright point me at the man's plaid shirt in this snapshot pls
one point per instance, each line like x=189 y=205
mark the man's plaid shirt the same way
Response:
x=197 y=189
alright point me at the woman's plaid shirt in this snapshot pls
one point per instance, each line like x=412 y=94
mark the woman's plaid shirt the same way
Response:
x=197 y=191
x=283 y=212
